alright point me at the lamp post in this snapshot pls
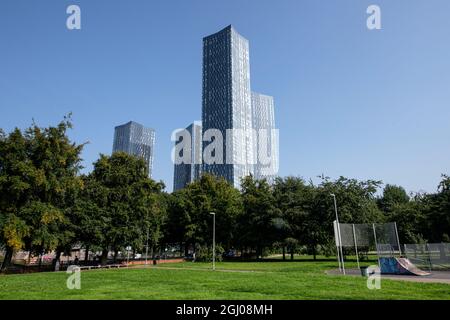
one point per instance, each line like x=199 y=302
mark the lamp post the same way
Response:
x=128 y=248
x=146 y=248
x=338 y=233
x=214 y=240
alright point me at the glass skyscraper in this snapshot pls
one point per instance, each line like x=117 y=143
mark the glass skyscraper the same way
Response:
x=226 y=103
x=263 y=117
x=135 y=139
x=185 y=173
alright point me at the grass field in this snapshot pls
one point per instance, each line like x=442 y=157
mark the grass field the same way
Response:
x=300 y=279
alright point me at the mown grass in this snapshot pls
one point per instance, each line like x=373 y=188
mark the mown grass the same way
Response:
x=299 y=279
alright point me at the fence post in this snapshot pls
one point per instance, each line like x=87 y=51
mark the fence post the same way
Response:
x=398 y=240
x=356 y=246
x=376 y=244
x=427 y=247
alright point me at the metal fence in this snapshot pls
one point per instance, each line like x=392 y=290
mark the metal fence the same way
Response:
x=432 y=256
x=382 y=237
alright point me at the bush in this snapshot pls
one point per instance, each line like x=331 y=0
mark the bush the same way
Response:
x=205 y=253
x=328 y=249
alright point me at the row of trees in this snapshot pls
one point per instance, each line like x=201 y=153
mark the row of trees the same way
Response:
x=292 y=213
x=47 y=205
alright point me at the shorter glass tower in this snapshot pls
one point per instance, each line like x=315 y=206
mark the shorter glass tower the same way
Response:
x=135 y=139
x=185 y=173
x=266 y=145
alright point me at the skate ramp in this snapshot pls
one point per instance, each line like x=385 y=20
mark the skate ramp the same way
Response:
x=400 y=266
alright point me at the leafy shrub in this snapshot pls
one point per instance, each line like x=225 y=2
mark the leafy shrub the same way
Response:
x=205 y=253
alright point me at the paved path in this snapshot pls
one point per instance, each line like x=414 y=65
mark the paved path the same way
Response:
x=434 y=277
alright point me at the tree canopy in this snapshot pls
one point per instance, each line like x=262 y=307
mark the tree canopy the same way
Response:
x=46 y=204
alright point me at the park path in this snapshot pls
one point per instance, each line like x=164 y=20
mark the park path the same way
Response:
x=434 y=277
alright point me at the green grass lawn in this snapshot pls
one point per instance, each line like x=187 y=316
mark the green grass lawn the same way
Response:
x=299 y=279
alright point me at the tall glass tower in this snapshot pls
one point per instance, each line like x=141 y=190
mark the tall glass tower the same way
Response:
x=266 y=144
x=226 y=104
x=135 y=139
x=189 y=171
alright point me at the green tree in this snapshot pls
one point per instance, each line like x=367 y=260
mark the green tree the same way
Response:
x=356 y=203
x=190 y=210
x=123 y=204
x=392 y=195
x=438 y=212
x=38 y=179
x=293 y=198
x=409 y=218
x=259 y=222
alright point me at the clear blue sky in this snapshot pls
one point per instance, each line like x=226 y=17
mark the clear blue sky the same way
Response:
x=349 y=101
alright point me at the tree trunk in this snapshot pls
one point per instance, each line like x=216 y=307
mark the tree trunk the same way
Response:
x=292 y=254
x=104 y=259
x=284 y=253
x=56 y=260
x=186 y=249
x=314 y=252
x=7 y=259
x=86 y=254
x=116 y=253
x=40 y=261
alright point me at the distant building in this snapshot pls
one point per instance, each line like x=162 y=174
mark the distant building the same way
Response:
x=135 y=139
x=266 y=144
x=226 y=103
x=185 y=173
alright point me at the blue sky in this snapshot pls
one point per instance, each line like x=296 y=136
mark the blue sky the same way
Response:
x=349 y=101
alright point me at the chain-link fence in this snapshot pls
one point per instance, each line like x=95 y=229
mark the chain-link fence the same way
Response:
x=380 y=237
x=374 y=236
x=432 y=256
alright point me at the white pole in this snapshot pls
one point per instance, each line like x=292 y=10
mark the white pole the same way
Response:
x=376 y=245
x=339 y=233
x=356 y=246
x=339 y=259
x=214 y=240
x=427 y=247
x=398 y=240
x=337 y=245
x=146 y=249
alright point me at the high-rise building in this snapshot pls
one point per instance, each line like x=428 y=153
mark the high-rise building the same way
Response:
x=266 y=144
x=226 y=104
x=189 y=168
x=135 y=139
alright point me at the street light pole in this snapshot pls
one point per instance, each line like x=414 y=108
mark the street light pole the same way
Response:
x=128 y=248
x=214 y=240
x=339 y=232
x=146 y=249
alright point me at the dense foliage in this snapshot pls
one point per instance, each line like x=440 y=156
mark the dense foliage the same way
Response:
x=47 y=205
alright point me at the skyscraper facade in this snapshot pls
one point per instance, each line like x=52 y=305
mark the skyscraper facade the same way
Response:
x=226 y=105
x=266 y=143
x=189 y=169
x=135 y=139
